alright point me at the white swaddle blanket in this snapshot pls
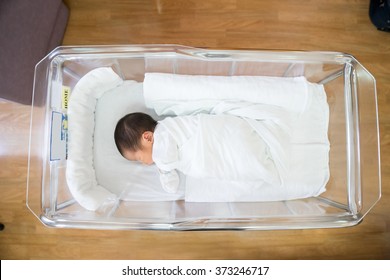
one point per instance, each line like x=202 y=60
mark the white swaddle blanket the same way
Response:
x=289 y=114
x=213 y=146
x=170 y=94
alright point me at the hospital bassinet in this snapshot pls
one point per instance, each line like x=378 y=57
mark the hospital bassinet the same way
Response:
x=354 y=161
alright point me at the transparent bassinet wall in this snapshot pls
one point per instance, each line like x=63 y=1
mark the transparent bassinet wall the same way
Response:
x=354 y=185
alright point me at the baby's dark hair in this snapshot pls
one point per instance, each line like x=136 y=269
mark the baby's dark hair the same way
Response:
x=129 y=130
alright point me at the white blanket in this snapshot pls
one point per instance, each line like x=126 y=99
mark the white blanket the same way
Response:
x=290 y=114
x=170 y=94
x=214 y=146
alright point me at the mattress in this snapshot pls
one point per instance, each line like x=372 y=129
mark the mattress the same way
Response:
x=97 y=174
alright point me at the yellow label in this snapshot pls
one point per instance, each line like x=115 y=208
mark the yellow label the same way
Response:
x=65 y=97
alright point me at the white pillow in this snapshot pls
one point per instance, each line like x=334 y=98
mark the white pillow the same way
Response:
x=80 y=173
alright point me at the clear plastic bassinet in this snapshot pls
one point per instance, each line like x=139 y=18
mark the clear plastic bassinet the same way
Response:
x=354 y=160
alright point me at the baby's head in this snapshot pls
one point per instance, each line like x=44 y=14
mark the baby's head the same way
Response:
x=134 y=137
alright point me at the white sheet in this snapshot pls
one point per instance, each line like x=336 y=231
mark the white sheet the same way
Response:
x=298 y=138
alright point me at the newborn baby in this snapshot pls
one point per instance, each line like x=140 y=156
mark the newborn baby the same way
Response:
x=225 y=147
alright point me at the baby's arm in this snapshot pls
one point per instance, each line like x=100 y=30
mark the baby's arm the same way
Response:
x=166 y=157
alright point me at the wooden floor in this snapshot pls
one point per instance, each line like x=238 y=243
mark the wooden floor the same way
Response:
x=334 y=25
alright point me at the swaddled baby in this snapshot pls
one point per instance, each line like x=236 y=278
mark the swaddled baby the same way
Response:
x=225 y=147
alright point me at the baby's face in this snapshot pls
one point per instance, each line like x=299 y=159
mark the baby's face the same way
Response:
x=144 y=156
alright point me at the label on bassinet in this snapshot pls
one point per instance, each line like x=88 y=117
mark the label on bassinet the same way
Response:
x=58 y=136
x=65 y=97
x=60 y=96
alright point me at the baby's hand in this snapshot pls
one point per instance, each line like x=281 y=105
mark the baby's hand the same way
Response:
x=107 y=206
x=169 y=180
